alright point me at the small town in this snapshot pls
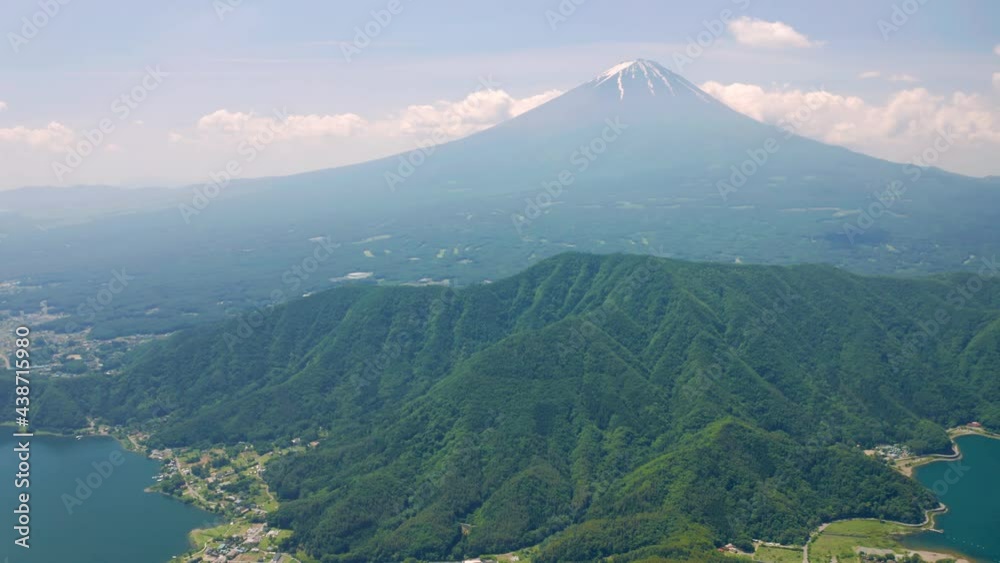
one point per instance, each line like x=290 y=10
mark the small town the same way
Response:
x=227 y=482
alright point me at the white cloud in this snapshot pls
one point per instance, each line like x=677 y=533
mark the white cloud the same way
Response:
x=996 y=50
x=441 y=120
x=531 y=102
x=760 y=33
x=317 y=141
x=477 y=111
x=3 y=105
x=896 y=130
x=996 y=81
x=226 y=123
x=53 y=137
x=869 y=74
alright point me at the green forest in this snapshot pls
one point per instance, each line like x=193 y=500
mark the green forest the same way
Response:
x=621 y=407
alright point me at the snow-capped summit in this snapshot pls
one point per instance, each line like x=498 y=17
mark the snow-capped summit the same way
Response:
x=644 y=77
x=641 y=93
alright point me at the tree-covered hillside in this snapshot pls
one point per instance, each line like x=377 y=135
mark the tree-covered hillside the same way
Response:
x=596 y=405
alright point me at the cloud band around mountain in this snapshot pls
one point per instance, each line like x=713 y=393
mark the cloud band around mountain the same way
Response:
x=898 y=129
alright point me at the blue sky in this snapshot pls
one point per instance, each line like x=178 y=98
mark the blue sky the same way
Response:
x=885 y=90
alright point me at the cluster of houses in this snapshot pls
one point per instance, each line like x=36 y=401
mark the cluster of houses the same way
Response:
x=237 y=546
x=169 y=470
x=892 y=452
x=161 y=455
x=882 y=555
x=730 y=548
x=509 y=558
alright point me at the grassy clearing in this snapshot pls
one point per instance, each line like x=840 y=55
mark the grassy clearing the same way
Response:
x=202 y=536
x=777 y=555
x=840 y=538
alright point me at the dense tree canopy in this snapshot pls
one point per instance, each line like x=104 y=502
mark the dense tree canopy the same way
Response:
x=595 y=405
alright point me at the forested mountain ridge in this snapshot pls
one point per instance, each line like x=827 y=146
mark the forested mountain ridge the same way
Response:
x=598 y=405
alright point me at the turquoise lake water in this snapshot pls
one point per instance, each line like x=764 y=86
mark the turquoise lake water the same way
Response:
x=971 y=489
x=116 y=522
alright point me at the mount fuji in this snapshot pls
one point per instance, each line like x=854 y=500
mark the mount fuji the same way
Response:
x=637 y=159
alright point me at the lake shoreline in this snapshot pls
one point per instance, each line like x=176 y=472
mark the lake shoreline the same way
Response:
x=130 y=445
x=911 y=463
x=953 y=434
x=930 y=515
x=91 y=503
